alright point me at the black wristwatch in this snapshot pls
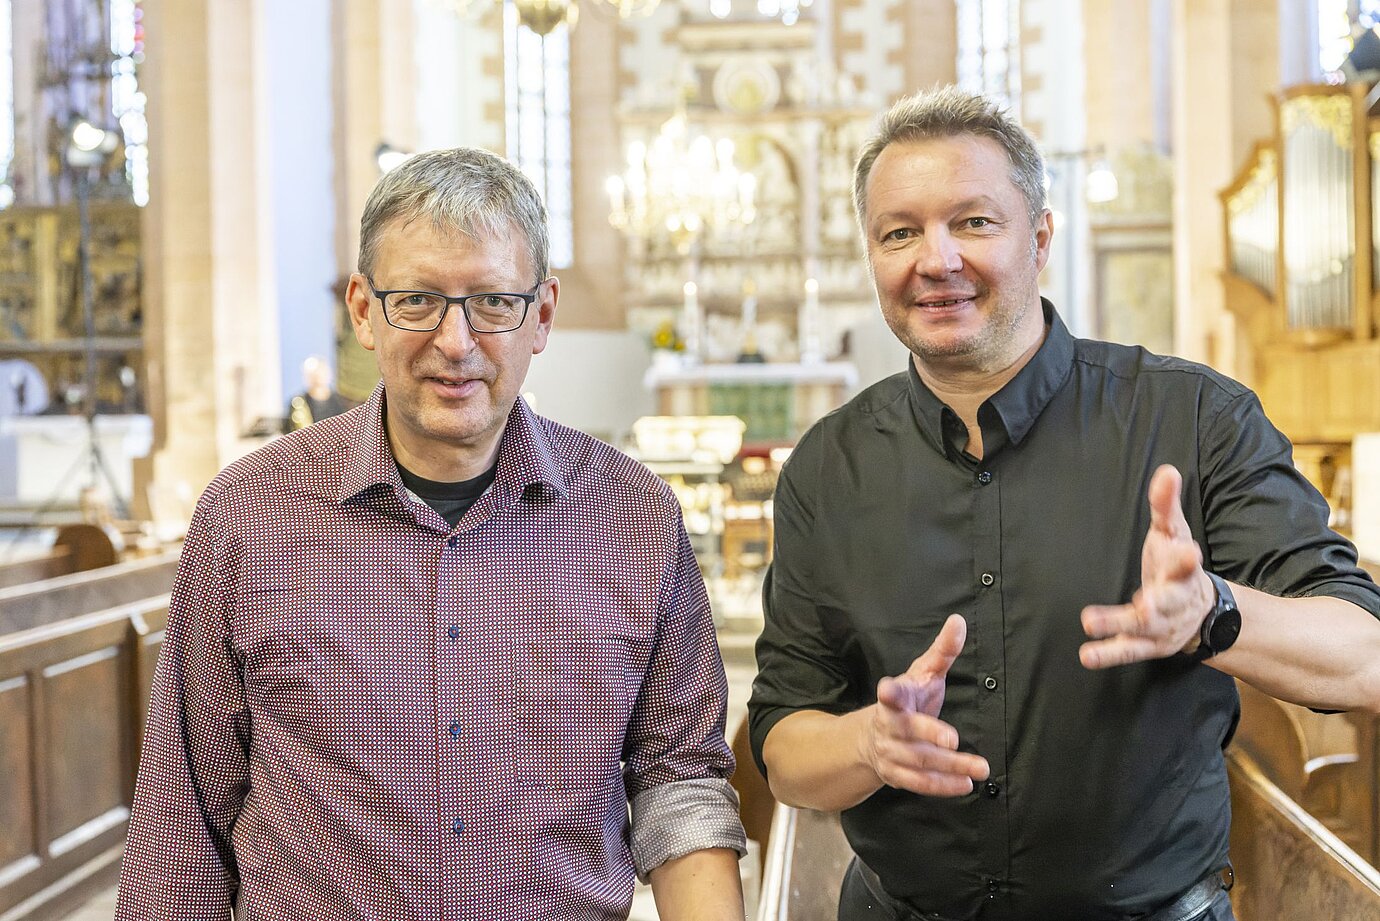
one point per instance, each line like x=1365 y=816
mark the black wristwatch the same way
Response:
x=1222 y=625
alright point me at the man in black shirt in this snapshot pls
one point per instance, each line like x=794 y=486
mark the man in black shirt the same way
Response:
x=1054 y=541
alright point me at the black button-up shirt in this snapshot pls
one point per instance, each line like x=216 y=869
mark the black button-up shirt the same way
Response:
x=1108 y=793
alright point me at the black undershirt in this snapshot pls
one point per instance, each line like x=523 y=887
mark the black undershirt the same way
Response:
x=450 y=500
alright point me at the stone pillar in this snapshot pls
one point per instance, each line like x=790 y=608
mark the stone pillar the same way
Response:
x=375 y=101
x=205 y=328
x=592 y=295
x=1221 y=82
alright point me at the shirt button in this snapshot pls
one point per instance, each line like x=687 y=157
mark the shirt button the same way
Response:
x=988 y=578
x=454 y=631
x=992 y=788
x=984 y=477
x=455 y=730
x=458 y=825
x=993 y=885
x=989 y=683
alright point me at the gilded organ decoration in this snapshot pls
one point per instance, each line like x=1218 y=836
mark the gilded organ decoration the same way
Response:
x=1253 y=222
x=1318 y=172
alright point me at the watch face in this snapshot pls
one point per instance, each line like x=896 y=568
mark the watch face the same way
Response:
x=1224 y=629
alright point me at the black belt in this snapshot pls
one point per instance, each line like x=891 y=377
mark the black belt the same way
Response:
x=1189 y=906
x=1194 y=902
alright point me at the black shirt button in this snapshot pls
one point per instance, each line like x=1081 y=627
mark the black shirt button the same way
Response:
x=993 y=885
x=988 y=578
x=455 y=730
x=992 y=788
x=984 y=477
x=458 y=825
x=454 y=631
x=989 y=683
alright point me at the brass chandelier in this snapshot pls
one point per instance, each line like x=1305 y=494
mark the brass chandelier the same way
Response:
x=542 y=16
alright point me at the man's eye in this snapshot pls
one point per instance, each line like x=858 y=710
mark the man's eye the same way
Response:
x=900 y=233
x=416 y=300
x=976 y=222
x=493 y=302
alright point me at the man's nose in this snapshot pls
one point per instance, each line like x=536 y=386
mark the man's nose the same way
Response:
x=454 y=336
x=938 y=255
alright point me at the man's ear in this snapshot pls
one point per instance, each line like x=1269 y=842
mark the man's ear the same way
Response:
x=546 y=312
x=358 y=300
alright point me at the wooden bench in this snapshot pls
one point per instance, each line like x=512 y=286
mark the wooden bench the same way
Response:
x=77 y=548
x=1304 y=755
x=1288 y=864
x=806 y=862
x=24 y=607
x=73 y=696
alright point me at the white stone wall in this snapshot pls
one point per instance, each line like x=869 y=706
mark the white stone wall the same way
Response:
x=458 y=89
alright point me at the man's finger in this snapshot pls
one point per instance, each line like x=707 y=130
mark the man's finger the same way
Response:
x=1103 y=620
x=903 y=726
x=1166 y=511
x=939 y=658
x=1119 y=650
x=904 y=696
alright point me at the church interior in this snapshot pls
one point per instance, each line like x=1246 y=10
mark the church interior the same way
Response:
x=180 y=190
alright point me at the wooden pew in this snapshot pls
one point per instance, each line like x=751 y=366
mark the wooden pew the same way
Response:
x=73 y=696
x=1333 y=787
x=1288 y=865
x=806 y=861
x=77 y=548
x=24 y=607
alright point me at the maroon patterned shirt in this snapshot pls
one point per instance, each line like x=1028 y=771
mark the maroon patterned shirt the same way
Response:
x=361 y=713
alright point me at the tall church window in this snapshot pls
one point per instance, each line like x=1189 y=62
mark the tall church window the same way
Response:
x=988 y=50
x=538 y=121
x=6 y=103
x=1338 y=24
x=127 y=101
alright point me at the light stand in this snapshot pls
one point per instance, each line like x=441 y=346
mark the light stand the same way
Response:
x=87 y=147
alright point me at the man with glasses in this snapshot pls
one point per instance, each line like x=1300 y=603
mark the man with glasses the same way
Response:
x=424 y=657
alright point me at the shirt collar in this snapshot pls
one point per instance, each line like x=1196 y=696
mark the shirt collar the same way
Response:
x=1018 y=404
x=526 y=454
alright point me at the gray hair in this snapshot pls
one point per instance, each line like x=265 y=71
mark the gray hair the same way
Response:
x=465 y=190
x=948 y=112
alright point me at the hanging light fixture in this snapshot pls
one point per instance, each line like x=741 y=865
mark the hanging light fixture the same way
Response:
x=681 y=187
x=543 y=16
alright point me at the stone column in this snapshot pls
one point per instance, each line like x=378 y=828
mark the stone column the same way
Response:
x=1221 y=83
x=205 y=329
x=375 y=101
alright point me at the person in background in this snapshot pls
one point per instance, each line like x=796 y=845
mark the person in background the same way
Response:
x=319 y=400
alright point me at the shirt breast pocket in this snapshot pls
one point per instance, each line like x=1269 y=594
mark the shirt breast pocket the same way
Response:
x=573 y=695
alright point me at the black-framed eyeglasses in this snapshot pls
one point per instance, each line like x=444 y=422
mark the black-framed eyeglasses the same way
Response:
x=423 y=311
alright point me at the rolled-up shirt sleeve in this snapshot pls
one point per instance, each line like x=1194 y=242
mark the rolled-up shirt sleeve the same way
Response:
x=1266 y=525
x=193 y=767
x=677 y=762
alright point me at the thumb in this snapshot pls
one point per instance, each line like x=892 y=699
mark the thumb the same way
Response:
x=939 y=658
x=1166 y=511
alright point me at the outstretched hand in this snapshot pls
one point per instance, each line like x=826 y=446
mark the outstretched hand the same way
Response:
x=907 y=745
x=1166 y=612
